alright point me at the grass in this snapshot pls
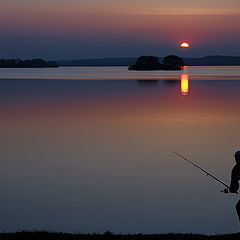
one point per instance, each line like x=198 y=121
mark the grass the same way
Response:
x=43 y=235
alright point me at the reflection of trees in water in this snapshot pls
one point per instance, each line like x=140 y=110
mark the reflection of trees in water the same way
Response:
x=183 y=81
x=171 y=83
x=147 y=82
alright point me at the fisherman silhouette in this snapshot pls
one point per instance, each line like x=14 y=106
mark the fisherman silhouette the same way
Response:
x=235 y=177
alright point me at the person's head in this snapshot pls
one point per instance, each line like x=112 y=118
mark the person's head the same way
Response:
x=237 y=156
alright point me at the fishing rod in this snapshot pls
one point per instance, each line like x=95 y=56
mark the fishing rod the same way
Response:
x=208 y=174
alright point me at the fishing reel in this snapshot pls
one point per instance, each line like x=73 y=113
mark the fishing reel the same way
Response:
x=225 y=190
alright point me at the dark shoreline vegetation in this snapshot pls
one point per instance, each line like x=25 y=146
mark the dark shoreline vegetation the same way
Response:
x=151 y=63
x=34 y=63
x=43 y=235
x=215 y=60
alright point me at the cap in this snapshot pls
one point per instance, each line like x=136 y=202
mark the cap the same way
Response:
x=237 y=154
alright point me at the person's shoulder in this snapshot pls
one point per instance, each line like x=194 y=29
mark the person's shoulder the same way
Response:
x=236 y=168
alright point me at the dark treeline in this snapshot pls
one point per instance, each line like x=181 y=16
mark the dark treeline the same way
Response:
x=203 y=61
x=18 y=63
x=110 y=236
x=147 y=63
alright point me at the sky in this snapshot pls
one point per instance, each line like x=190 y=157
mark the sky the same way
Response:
x=75 y=29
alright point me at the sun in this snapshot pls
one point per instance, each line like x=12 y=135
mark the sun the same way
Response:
x=185 y=45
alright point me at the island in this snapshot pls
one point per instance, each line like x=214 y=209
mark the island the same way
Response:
x=34 y=63
x=150 y=63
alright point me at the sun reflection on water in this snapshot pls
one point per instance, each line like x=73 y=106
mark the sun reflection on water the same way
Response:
x=184 y=85
x=185 y=82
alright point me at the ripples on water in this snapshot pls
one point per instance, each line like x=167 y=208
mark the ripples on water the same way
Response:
x=113 y=73
x=97 y=155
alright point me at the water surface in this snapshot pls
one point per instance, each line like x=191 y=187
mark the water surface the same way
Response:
x=113 y=73
x=96 y=155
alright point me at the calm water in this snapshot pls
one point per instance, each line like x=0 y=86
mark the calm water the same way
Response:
x=94 y=155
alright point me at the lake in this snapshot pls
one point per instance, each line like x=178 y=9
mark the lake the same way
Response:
x=91 y=149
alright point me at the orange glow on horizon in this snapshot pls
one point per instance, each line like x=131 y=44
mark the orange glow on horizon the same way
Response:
x=184 y=84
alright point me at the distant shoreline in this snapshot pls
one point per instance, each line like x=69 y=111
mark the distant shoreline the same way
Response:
x=33 y=63
x=215 y=60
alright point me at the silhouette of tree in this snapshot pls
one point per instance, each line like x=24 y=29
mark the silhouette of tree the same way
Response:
x=173 y=60
x=146 y=63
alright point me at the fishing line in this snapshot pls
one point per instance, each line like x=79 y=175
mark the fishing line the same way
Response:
x=203 y=170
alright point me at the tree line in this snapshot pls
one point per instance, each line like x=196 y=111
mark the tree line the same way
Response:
x=146 y=63
x=34 y=63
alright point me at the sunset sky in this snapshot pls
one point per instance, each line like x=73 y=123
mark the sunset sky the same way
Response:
x=70 y=29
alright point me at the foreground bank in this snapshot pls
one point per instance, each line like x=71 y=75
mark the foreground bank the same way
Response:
x=27 y=235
